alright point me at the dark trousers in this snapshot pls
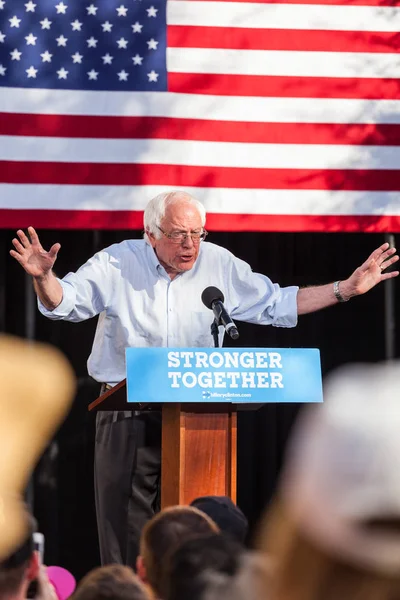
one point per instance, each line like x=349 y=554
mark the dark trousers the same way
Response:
x=127 y=480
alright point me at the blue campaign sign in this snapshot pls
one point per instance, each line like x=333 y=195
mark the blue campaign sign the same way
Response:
x=223 y=375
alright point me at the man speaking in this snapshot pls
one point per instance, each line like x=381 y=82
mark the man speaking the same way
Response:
x=148 y=293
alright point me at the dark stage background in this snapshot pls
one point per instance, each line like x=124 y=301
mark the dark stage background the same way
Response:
x=63 y=483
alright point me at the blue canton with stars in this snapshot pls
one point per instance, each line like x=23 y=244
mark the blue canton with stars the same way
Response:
x=83 y=44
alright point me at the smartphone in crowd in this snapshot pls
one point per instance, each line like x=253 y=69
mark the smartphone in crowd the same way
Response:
x=38 y=546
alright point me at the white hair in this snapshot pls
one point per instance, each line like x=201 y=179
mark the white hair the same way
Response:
x=156 y=208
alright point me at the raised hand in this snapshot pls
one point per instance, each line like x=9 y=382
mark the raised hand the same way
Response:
x=30 y=254
x=46 y=590
x=365 y=277
x=371 y=272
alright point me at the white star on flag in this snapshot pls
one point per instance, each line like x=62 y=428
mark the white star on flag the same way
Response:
x=107 y=26
x=93 y=74
x=3 y=70
x=62 y=73
x=122 y=43
x=153 y=76
x=91 y=42
x=45 y=23
x=61 y=40
x=137 y=60
x=31 y=39
x=30 y=7
x=14 y=21
x=152 y=44
x=15 y=54
x=61 y=8
x=76 y=25
x=46 y=56
x=137 y=27
x=121 y=10
x=152 y=11
x=77 y=58
x=107 y=59
x=31 y=72
x=92 y=9
x=2 y=3
x=123 y=75
x=2 y=37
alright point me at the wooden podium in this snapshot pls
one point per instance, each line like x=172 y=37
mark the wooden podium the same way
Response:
x=198 y=453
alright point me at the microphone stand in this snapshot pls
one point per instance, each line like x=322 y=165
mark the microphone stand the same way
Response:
x=214 y=333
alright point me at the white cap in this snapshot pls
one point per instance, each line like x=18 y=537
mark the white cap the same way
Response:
x=343 y=467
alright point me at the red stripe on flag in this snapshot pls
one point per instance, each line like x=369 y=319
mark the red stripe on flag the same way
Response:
x=207 y=177
x=323 y=223
x=93 y=127
x=91 y=219
x=285 y=87
x=180 y=36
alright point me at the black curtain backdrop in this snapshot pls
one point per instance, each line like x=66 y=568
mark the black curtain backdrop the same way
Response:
x=351 y=332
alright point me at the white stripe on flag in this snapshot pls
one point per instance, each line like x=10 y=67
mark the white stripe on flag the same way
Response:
x=198 y=106
x=283 y=63
x=195 y=153
x=216 y=200
x=284 y=16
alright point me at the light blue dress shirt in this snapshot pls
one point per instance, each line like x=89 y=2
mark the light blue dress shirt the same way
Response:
x=139 y=306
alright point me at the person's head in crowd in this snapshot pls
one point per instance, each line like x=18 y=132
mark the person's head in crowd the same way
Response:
x=198 y=563
x=23 y=575
x=162 y=534
x=18 y=570
x=226 y=514
x=111 y=582
x=334 y=531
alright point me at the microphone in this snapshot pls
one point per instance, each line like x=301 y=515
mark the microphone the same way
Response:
x=213 y=298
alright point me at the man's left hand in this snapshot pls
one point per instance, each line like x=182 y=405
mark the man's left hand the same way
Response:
x=371 y=272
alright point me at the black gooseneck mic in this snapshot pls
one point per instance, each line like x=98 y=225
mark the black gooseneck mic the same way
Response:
x=213 y=298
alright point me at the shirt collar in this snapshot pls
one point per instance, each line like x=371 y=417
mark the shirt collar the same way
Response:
x=152 y=257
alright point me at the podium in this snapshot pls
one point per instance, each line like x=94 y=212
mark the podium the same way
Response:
x=198 y=448
x=199 y=391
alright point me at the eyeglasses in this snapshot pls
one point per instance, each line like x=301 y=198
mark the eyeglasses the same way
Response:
x=177 y=237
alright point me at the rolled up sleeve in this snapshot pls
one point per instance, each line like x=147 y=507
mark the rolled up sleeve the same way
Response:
x=284 y=310
x=85 y=293
x=256 y=299
x=66 y=306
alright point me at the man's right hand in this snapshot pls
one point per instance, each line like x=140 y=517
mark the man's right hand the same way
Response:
x=39 y=263
x=31 y=255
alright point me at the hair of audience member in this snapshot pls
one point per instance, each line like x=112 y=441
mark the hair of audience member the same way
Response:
x=305 y=571
x=20 y=568
x=198 y=564
x=163 y=534
x=156 y=208
x=251 y=582
x=111 y=582
x=226 y=514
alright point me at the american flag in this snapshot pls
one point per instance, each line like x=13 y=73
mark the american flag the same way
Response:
x=278 y=116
